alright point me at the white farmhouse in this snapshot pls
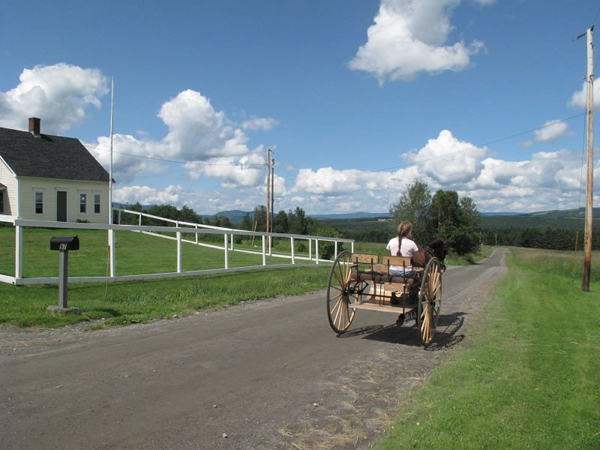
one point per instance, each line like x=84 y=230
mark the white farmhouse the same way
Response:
x=50 y=178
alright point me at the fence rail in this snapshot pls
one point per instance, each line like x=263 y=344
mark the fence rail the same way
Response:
x=179 y=229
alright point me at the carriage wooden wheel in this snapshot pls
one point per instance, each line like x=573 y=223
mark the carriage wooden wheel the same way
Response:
x=342 y=293
x=430 y=299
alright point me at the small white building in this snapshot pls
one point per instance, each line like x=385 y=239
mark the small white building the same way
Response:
x=51 y=178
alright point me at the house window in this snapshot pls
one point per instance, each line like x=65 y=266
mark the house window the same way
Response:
x=82 y=203
x=1 y=202
x=97 y=203
x=39 y=202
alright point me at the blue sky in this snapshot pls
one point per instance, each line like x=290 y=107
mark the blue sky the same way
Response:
x=357 y=98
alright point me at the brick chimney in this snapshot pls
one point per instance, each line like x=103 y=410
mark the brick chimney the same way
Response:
x=35 y=126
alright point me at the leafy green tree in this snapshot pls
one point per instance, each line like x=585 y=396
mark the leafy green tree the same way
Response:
x=281 y=224
x=444 y=214
x=456 y=221
x=327 y=248
x=189 y=215
x=260 y=216
x=414 y=205
x=224 y=222
x=246 y=222
x=297 y=221
x=469 y=216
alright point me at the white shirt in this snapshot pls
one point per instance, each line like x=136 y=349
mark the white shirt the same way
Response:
x=407 y=249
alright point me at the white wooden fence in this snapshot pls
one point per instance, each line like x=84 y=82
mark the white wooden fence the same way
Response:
x=179 y=229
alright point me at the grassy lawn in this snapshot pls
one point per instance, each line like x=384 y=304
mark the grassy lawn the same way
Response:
x=123 y=303
x=136 y=254
x=528 y=379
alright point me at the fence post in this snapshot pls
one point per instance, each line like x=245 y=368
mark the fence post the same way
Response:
x=317 y=250
x=310 y=249
x=225 y=245
x=335 y=250
x=179 y=252
x=231 y=245
x=292 y=241
x=196 y=233
x=352 y=246
x=264 y=253
x=140 y=221
x=18 y=252
x=111 y=252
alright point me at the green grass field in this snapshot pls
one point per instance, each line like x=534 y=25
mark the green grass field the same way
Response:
x=136 y=253
x=121 y=303
x=528 y=379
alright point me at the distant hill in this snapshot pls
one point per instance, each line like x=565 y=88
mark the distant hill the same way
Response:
x=356 y=215
x=485 y=214
x=236 y=216
x=570 y=219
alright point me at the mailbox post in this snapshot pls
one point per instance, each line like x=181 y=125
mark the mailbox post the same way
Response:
x=63 y=245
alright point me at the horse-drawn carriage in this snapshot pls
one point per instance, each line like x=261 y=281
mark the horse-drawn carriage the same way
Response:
x=362 y=281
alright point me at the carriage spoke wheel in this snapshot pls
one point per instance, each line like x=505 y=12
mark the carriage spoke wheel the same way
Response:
x=342 y=292
x=430 y=299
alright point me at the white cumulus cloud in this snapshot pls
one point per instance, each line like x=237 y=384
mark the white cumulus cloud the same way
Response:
x=59 y=95
x=448 y=160
x=234 y=172
x=579 y=98
x=551 y=130
x=411 y=36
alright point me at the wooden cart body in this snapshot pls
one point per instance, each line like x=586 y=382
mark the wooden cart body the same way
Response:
x=362 y=281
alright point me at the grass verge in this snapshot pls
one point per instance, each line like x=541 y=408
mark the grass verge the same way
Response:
x=123 y=303
x=529 y=379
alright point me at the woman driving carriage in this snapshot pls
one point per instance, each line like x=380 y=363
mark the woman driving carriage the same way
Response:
x=402 y=245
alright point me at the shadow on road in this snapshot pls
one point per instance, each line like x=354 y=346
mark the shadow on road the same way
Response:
x=447 y=335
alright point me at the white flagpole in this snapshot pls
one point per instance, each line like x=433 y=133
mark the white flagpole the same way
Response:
x=111 y=232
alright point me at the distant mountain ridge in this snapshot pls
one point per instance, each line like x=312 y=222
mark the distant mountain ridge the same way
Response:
x=236 y=216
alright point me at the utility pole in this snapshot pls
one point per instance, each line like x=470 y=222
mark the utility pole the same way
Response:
x=587 y=261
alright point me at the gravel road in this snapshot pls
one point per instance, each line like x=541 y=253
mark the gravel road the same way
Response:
x=265 y=374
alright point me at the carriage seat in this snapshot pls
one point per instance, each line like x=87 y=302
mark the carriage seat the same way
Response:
x=369 y=269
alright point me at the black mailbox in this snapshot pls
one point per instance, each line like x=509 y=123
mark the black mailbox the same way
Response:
x=64 y=243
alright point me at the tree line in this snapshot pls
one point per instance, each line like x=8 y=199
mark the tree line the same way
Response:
x=534 y=237
x=443 y=216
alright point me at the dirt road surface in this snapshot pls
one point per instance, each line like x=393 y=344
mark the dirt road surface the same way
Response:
x=266 y=374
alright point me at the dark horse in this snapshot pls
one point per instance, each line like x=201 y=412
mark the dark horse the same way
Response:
x=436 y=248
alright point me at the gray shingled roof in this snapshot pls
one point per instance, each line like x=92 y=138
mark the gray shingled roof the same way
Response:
x=49 y=157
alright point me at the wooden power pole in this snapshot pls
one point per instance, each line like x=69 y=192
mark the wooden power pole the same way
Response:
x=587 y=246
